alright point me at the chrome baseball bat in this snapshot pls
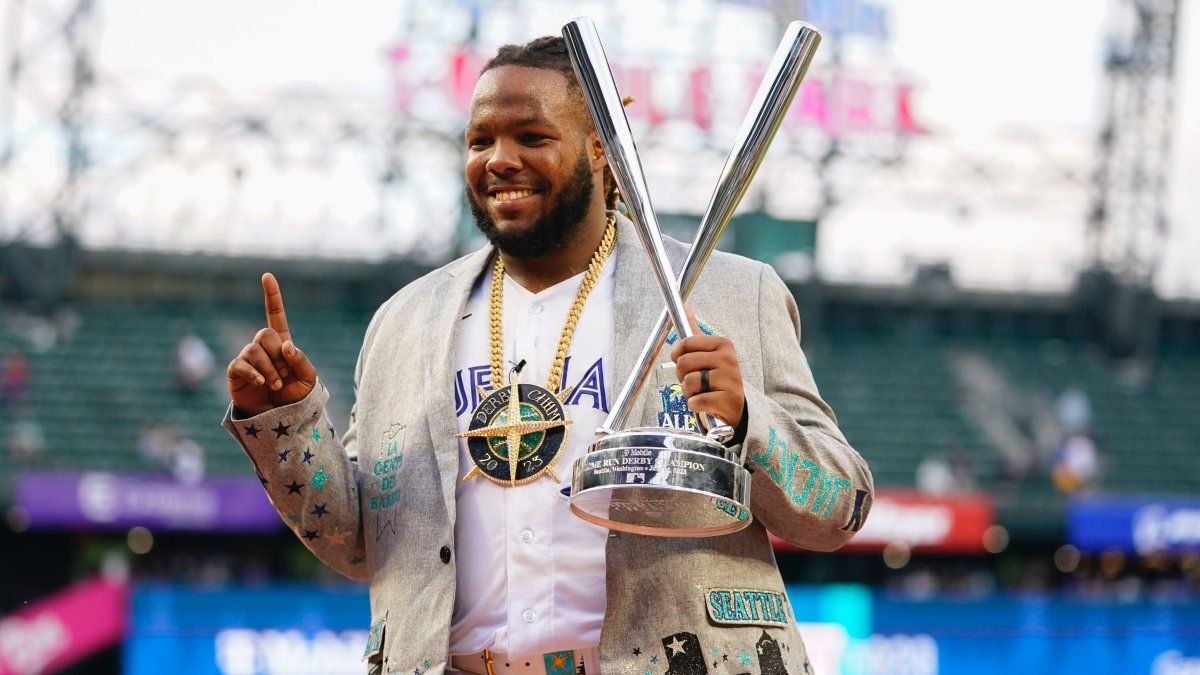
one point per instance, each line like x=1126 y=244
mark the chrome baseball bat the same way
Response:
x=608 y=114
x=771 y=102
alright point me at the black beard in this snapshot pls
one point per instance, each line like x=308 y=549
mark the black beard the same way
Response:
x=551 y=232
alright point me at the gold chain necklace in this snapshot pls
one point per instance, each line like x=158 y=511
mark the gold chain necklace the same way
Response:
x=527 y=418
x=496 y=312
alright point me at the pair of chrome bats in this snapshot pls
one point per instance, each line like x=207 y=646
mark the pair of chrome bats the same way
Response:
x=775 y=93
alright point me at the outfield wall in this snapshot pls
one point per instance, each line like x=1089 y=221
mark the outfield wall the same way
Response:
x=849 y=630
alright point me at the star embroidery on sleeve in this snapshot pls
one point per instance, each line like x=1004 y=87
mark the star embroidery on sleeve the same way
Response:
x=252 y=431
x=745 y=658
x=332 y=432
x=281 y=430
x=637 y=651
x=294 y=488
x=283 y=456
x=676 y=646
x=316 y=434
x=308 y=456
x=260 y=478
x=311 y=534
x=654 y=658
x=319 y=479
x=319 y=511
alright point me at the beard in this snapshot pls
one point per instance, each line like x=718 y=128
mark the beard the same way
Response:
x=553 y=230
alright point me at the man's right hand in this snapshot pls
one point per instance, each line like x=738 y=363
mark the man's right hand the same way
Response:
x=271 y=371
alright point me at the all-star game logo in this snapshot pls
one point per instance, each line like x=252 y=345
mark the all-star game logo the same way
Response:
x=533 y=422
x=675 y=411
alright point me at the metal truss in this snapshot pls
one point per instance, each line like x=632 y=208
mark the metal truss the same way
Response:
x=194 y=167
x=1128 y=224
x=48 y=67
x=111 y=163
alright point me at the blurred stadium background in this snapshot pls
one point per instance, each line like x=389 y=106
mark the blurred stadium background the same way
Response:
x=987 y=213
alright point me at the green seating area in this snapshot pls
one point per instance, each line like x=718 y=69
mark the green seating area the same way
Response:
x=94 y=391
x=894 y=390
x=1147 y=430
x=898 y=400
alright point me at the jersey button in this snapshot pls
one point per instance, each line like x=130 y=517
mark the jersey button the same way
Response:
x=529 y=615
x=445 y=553
x=535 y=308
x=527 y=536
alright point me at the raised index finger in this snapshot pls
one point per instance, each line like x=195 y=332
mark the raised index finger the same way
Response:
x=276 y=318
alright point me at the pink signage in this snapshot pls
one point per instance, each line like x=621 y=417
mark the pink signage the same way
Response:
x=838 y=103
x=63 y=628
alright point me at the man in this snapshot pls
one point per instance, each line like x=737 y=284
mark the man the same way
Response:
x=477 y=565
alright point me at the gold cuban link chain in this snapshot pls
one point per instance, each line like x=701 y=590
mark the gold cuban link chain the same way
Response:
x=496 y=314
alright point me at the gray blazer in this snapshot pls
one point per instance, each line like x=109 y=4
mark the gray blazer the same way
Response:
x=378 y=504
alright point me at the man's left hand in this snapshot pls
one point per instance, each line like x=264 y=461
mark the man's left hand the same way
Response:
x=725 y=397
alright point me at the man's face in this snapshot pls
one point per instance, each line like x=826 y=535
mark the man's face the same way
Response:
x=529 y=177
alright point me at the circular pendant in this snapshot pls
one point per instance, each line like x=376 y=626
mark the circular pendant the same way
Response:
x=535 y=424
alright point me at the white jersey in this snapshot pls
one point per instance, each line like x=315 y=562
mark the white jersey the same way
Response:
x=531 y=575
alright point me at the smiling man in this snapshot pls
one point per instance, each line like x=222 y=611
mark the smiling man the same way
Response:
x=474 y=560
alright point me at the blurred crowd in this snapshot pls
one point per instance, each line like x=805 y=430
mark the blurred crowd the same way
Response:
x=165 y=447
x=1110 y=576
x=1041 y=436
x=161 y=446
x=1035 y=435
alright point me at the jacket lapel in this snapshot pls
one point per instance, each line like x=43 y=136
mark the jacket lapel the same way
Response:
x=439 y=342
x=636 y=306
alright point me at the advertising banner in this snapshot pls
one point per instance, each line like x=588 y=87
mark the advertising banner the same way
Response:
x=62 y=500
x=924 y=523
x=848 y=629
x=1135 y=524
x=50 y=634
x=293 y=630
x=1037 y=633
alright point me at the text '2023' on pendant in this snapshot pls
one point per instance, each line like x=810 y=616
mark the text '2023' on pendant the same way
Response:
x=526 y=417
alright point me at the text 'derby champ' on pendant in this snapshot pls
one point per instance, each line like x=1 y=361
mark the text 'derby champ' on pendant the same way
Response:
x=516 y=434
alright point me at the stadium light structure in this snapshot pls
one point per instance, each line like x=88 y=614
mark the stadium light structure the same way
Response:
x=1128 y=224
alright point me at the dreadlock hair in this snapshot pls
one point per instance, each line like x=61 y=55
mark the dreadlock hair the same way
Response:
x=550 y=53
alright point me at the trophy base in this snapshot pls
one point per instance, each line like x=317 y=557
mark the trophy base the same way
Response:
x=663 y=483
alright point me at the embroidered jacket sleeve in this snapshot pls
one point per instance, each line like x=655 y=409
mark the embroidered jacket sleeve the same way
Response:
x=809 y=486
x=310 y=475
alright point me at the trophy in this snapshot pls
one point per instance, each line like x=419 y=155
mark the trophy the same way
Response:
x=653 y=480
